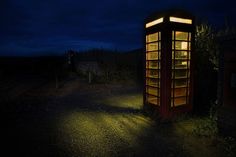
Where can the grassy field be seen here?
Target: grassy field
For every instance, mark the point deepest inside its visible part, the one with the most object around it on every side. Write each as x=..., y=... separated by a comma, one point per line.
x=81, y=119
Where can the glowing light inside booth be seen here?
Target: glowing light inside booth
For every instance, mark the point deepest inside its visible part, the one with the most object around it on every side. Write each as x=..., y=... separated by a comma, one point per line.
x=180, y=20
x=155, y=22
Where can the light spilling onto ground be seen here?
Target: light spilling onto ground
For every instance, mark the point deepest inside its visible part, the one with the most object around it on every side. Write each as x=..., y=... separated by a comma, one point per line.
x=107, y=131
x=116, y=127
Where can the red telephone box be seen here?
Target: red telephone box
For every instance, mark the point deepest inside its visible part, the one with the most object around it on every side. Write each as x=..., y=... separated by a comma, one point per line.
x=169, y=46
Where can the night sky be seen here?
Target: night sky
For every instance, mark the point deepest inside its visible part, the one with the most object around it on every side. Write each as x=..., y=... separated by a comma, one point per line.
x=49, y=27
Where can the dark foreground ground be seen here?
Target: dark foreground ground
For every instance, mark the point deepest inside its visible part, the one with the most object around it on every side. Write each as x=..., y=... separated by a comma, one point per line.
x=81, y=119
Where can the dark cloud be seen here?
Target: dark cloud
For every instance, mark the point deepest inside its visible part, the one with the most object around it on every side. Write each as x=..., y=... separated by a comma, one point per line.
x=57, y=25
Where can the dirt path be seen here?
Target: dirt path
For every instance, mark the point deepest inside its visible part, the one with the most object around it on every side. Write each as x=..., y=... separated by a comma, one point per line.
x=100, y=120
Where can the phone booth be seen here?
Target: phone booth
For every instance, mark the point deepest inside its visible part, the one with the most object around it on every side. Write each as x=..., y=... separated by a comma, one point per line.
x=168, y=74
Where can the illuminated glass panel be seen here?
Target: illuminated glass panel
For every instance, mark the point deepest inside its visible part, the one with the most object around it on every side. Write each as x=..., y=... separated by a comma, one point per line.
x=180, y=35
x=152, y=37
x=152, y=55
x=153, y=91
x=152, y=46
x=153, y=66
x=180, y=20
x=152, y=73
x=180, y=45
x=180, y=64
x=155, y=22
x=180, y=73
x=180, y=68
x=181, y=54
x=178, y=101
x=179, y=92
x=153, y=82
x=180, y=83
x=153, y=100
